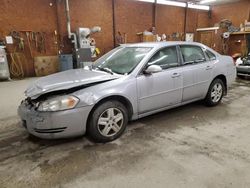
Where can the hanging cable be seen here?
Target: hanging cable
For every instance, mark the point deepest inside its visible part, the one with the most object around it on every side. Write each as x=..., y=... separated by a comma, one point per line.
x=16, y=68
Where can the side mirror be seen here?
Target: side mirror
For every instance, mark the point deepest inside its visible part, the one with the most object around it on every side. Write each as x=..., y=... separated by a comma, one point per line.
x=153, y=69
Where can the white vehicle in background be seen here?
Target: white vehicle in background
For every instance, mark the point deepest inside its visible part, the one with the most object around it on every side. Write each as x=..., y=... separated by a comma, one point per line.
x=243, y=66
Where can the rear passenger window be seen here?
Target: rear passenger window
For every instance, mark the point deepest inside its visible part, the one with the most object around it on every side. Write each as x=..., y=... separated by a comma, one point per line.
x=165, y=58
x=210, y=55
x=192, y=54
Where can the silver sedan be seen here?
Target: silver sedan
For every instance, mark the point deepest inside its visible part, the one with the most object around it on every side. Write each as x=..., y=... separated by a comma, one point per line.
x=129, y=82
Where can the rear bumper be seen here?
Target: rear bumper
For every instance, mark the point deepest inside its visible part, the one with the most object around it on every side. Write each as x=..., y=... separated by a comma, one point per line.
x=52, y=125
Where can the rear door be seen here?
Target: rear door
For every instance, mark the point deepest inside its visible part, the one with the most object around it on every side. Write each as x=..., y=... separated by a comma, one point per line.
x=197, y=72
x=164, y=88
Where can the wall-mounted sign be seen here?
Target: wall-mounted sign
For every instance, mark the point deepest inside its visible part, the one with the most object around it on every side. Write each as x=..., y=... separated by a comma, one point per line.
x=9, y=40
x=189, y=37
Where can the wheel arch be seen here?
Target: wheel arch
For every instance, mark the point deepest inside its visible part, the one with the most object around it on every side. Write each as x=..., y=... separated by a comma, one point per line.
x=223, y=78
x=125, y=101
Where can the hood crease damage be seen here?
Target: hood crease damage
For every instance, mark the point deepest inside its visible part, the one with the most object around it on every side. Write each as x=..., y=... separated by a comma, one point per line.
x=66, y=91
x=67, y=82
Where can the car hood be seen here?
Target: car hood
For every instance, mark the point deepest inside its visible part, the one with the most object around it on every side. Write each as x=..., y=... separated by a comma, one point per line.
x=67, y=80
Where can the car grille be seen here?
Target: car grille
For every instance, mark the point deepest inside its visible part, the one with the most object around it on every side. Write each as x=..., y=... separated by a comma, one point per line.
x=30, y=103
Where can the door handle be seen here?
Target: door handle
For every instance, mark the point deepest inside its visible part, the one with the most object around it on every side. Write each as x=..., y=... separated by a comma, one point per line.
x=174, y=75
x=209, y=67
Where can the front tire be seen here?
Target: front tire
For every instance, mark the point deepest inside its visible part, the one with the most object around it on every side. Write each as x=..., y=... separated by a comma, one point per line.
x=215, y=93
x=107, y=122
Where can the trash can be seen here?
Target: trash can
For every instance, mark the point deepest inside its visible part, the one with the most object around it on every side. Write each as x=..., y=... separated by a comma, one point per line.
x=4, y=67
x=65, y=62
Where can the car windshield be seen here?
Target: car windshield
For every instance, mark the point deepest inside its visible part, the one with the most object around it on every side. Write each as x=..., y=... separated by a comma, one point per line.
x=121, y=60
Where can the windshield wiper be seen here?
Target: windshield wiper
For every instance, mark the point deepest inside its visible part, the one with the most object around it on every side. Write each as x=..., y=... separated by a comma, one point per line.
x=105, y=70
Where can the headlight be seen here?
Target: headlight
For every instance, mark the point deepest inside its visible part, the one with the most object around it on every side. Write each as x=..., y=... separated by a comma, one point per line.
x=58, y=103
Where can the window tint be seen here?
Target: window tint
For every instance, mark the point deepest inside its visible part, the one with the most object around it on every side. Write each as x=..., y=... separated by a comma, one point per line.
x=192, y=54
x=210, y=55
x=165, y=58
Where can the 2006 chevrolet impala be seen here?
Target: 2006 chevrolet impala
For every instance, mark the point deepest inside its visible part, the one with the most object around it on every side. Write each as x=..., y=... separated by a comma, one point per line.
x=129, y=82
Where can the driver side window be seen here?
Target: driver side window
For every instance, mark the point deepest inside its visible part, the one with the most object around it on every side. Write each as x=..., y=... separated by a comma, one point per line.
x=165, y=58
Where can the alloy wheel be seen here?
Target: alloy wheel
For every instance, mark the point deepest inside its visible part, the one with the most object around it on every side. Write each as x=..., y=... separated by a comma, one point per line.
x=216, y=92
x=110, y=122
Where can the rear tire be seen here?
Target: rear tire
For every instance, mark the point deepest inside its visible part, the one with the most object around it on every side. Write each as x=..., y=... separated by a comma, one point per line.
x=107, y=122
x=215, y=92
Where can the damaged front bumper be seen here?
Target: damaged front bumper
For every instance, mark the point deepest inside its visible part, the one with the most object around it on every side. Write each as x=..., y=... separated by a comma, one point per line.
x=52, y=125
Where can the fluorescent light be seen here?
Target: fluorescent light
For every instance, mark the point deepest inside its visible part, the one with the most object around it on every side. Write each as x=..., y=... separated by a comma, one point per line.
x=172, y=3
x=148, y=1
x=206, y=1
x=201, y=7
x=179, y=4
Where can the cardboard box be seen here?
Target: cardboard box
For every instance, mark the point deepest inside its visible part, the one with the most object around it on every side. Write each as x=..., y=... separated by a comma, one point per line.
x=149, y=38
x=247, y=26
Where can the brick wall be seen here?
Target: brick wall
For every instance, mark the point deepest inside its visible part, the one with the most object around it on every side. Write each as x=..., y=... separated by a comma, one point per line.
x=29, y=15
x=133, y=17
x=236, y=12
x=130, y=17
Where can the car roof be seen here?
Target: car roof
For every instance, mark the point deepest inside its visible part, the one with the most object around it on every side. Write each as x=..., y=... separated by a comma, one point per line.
x=160, y=44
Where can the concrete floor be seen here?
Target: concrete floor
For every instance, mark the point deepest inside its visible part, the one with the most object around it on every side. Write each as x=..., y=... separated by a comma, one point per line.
x=190, y=146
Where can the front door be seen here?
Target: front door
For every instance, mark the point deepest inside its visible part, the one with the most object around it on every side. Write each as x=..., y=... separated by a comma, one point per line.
x=162, y=89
